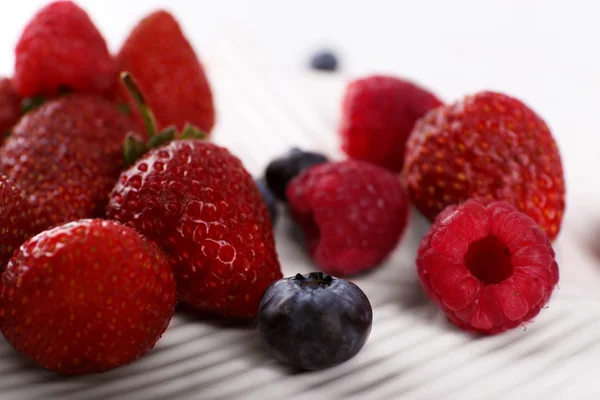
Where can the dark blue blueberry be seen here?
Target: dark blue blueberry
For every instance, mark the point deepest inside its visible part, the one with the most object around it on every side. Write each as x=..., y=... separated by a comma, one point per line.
x=269, y=200
x=314, y=321
x=324, y=61
x=283, y=169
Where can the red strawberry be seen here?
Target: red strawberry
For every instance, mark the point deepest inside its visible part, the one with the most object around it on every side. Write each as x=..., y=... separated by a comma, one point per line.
x=378, y=114
x=10, y=107
x=200, y=205
x=15, y=219
x=61, y=48
x=168, y=73
x=486, y=145
x=67, y=155
x=353, y=214
x=488, y=265
x=86, y=297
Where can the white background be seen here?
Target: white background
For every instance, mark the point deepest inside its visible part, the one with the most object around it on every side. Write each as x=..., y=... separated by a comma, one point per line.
x=544, y=52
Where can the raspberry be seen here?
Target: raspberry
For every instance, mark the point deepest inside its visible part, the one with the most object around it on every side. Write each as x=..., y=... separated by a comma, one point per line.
x=352, y=213
x=60, y=48
x=378, y=114
x=487, y=265
x=486, y=145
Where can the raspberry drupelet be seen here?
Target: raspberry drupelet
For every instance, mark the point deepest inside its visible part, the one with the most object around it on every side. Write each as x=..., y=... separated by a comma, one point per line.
x=487, y=265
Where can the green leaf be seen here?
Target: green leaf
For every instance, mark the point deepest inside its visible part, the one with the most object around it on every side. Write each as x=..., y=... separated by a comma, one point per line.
x=133, y=149
x=163, y=137
x=191, y=132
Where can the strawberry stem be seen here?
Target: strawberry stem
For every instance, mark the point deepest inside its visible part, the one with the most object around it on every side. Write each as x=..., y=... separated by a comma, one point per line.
x=134, y=147
x=140, y=102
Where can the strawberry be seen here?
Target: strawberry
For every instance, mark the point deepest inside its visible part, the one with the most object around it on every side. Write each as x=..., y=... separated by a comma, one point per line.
x=10, y=107
x=86, y=297
x=352, y=213
x=61, y=48
x=168, y=72
x=487, y=145
x=378, y=114
x=200, y=205
x=15, y=219
x=66, y=155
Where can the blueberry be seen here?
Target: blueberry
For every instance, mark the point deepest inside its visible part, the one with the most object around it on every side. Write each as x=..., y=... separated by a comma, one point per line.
x=324, y=61
x=269, y=199
x=314, y=321
x=283, y=169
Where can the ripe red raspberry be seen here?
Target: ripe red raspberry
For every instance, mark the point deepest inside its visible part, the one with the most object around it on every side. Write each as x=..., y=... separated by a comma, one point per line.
x=61, y=48
x=10, y=107
x=378, y=114
x=352, y=213
x=488, y=266
x=486, y=145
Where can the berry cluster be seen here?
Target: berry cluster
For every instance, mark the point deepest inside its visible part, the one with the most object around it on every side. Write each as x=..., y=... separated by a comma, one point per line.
x=488, y=173
x=486, y=170
x=114, y=205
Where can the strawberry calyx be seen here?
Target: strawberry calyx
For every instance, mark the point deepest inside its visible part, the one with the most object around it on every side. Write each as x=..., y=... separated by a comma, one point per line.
x=27, y=104
x=30, y=103
x=134, y=146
